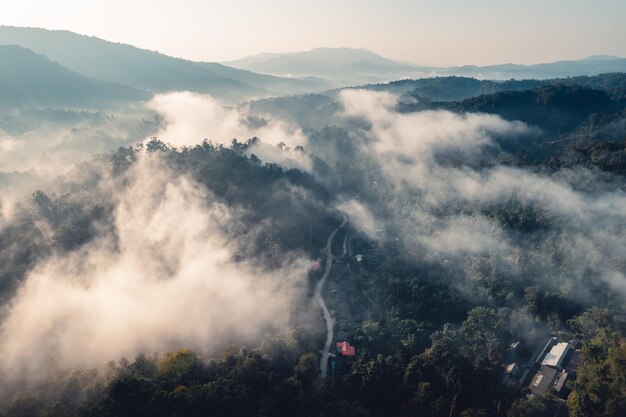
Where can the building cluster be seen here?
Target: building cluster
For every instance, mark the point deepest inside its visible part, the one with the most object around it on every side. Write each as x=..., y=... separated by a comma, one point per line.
x=551, y=366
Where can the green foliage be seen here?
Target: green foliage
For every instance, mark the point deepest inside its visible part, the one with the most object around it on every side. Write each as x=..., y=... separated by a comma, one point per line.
x=485, y=336
x=600, y=386
x=472, y=412
x=431, y=335
x=182, y=367
x=607, y=156
x=307, y=368
x=528, y=407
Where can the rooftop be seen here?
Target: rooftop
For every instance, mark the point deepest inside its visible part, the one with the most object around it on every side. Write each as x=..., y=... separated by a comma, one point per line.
x=542, y=381
x=510, y=367
x=556, y=355
x=346, y=349
x=541, y=351
x=561, y=381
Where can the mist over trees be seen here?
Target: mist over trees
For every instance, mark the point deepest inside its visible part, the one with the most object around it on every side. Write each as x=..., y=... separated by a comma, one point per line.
x=174, y=276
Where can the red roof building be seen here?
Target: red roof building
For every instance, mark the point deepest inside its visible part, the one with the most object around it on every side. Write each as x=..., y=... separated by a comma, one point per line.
x=346, y=349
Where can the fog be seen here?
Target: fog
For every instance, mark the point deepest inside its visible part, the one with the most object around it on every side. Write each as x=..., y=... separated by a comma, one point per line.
x=36, y=146
x=52, y=141
x=189, y=118
x=361, y=216
x=437, y=195
x=164, y=277
x=171, y=267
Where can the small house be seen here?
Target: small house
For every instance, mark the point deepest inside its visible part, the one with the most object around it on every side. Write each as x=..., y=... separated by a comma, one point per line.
x=345, y=349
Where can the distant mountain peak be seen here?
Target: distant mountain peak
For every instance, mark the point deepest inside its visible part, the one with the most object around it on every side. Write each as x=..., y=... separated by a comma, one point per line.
x=342, y=65
x=601, y=58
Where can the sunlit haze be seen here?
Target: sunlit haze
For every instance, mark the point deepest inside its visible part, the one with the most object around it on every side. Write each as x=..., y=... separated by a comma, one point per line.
x=446, y=32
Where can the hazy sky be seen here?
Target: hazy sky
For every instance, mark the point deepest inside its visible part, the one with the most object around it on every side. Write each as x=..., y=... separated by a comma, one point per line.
x=436, y=32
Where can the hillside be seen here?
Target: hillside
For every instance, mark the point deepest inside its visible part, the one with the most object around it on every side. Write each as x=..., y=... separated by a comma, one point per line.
x=454, y=88
x=148, y=70
x=29, y=79
x=556, y=108
x=451, y=88
x=511, y=99
x=458, y=242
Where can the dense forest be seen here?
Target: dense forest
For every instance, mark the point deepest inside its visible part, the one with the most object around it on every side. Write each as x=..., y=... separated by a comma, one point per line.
x=480, y=216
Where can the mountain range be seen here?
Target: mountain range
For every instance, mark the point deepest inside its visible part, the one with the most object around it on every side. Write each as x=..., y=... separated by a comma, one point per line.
x=148, y=70
x=61, y=68
x=593, y=65
x=345, y=66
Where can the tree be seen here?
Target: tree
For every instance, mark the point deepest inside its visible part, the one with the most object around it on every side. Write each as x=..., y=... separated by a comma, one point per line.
x=307, y=368
x=182, y=367
x=528, y=407
x=484, y=336
x=600, y=386
x=472, y=412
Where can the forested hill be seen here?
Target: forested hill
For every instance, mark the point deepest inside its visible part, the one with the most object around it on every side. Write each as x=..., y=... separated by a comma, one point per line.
x=424, y=344
x=565, y=112
x=456, y=88
x=31, y=80
x=556, y=107
x=452, y=88
x=179, y=280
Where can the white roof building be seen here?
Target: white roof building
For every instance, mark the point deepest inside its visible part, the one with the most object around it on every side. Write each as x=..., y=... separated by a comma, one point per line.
x=557, y=355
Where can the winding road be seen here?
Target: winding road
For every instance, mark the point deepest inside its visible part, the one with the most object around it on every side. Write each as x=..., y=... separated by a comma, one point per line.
x=318, y=296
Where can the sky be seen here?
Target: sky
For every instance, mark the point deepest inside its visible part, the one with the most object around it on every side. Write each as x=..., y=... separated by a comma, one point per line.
x=429, y=32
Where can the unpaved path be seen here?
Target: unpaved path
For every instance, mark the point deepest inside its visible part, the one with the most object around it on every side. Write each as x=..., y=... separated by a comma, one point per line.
x=318, y=296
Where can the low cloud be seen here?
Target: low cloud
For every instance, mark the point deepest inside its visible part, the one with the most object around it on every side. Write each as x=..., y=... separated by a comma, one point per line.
x=362, y=218
x=36, y=146
x=419, y=136
x=442, y=198
x=189, y=118
x=50, y=142
x=165, y=277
